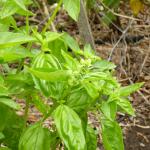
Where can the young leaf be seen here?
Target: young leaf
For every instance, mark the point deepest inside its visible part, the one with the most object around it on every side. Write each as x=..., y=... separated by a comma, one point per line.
x=9, y=39
x=70, y=61
x=69, y=127
x=56, y=47
x=126, y=106
x=70, y=42
x=111, y=135
x=51, y=36
x=73, y=8
x=35, y=138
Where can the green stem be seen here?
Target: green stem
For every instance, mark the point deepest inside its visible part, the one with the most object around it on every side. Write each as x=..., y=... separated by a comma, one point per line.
x=26, y=112
x=51, y=19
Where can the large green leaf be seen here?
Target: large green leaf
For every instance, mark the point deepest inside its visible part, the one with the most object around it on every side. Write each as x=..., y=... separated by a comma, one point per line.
x=111, y=135
x=54, y=90
x=69, y=127
x=9, y=39
x=73, y=8
x=35, y=138
x=51, y=75
x=79, y=99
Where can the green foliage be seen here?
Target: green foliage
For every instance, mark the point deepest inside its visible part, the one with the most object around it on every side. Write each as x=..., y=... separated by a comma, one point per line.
x=69, y=127
x=72, y=7
x=73, y=81
x=36, y=138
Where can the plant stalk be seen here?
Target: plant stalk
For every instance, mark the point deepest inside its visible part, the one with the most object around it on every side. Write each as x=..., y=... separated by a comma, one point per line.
x=51, y=19
x=26, y=112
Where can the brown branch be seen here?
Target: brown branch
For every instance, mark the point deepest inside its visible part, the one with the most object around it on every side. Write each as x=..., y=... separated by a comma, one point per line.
x=84, y=26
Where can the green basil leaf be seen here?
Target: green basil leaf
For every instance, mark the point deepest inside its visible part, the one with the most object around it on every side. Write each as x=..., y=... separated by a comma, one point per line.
x=10, y=103
x=127, y=90
x=79, y=100
x=52, y=76
x=54, y=90
x=91, y=138
x=35, y=138
x=109, y=109
x=91, y=89
x=14, y=6
x=103, y=65
x=111, y=135
x=14, y=53
x=22, y=6
x=51, y=36
x=72, y=7
x=69, y=127
x=70, y=42
x=56, y=46
x=71, y=63
x=126, y=106
x=9, y=39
